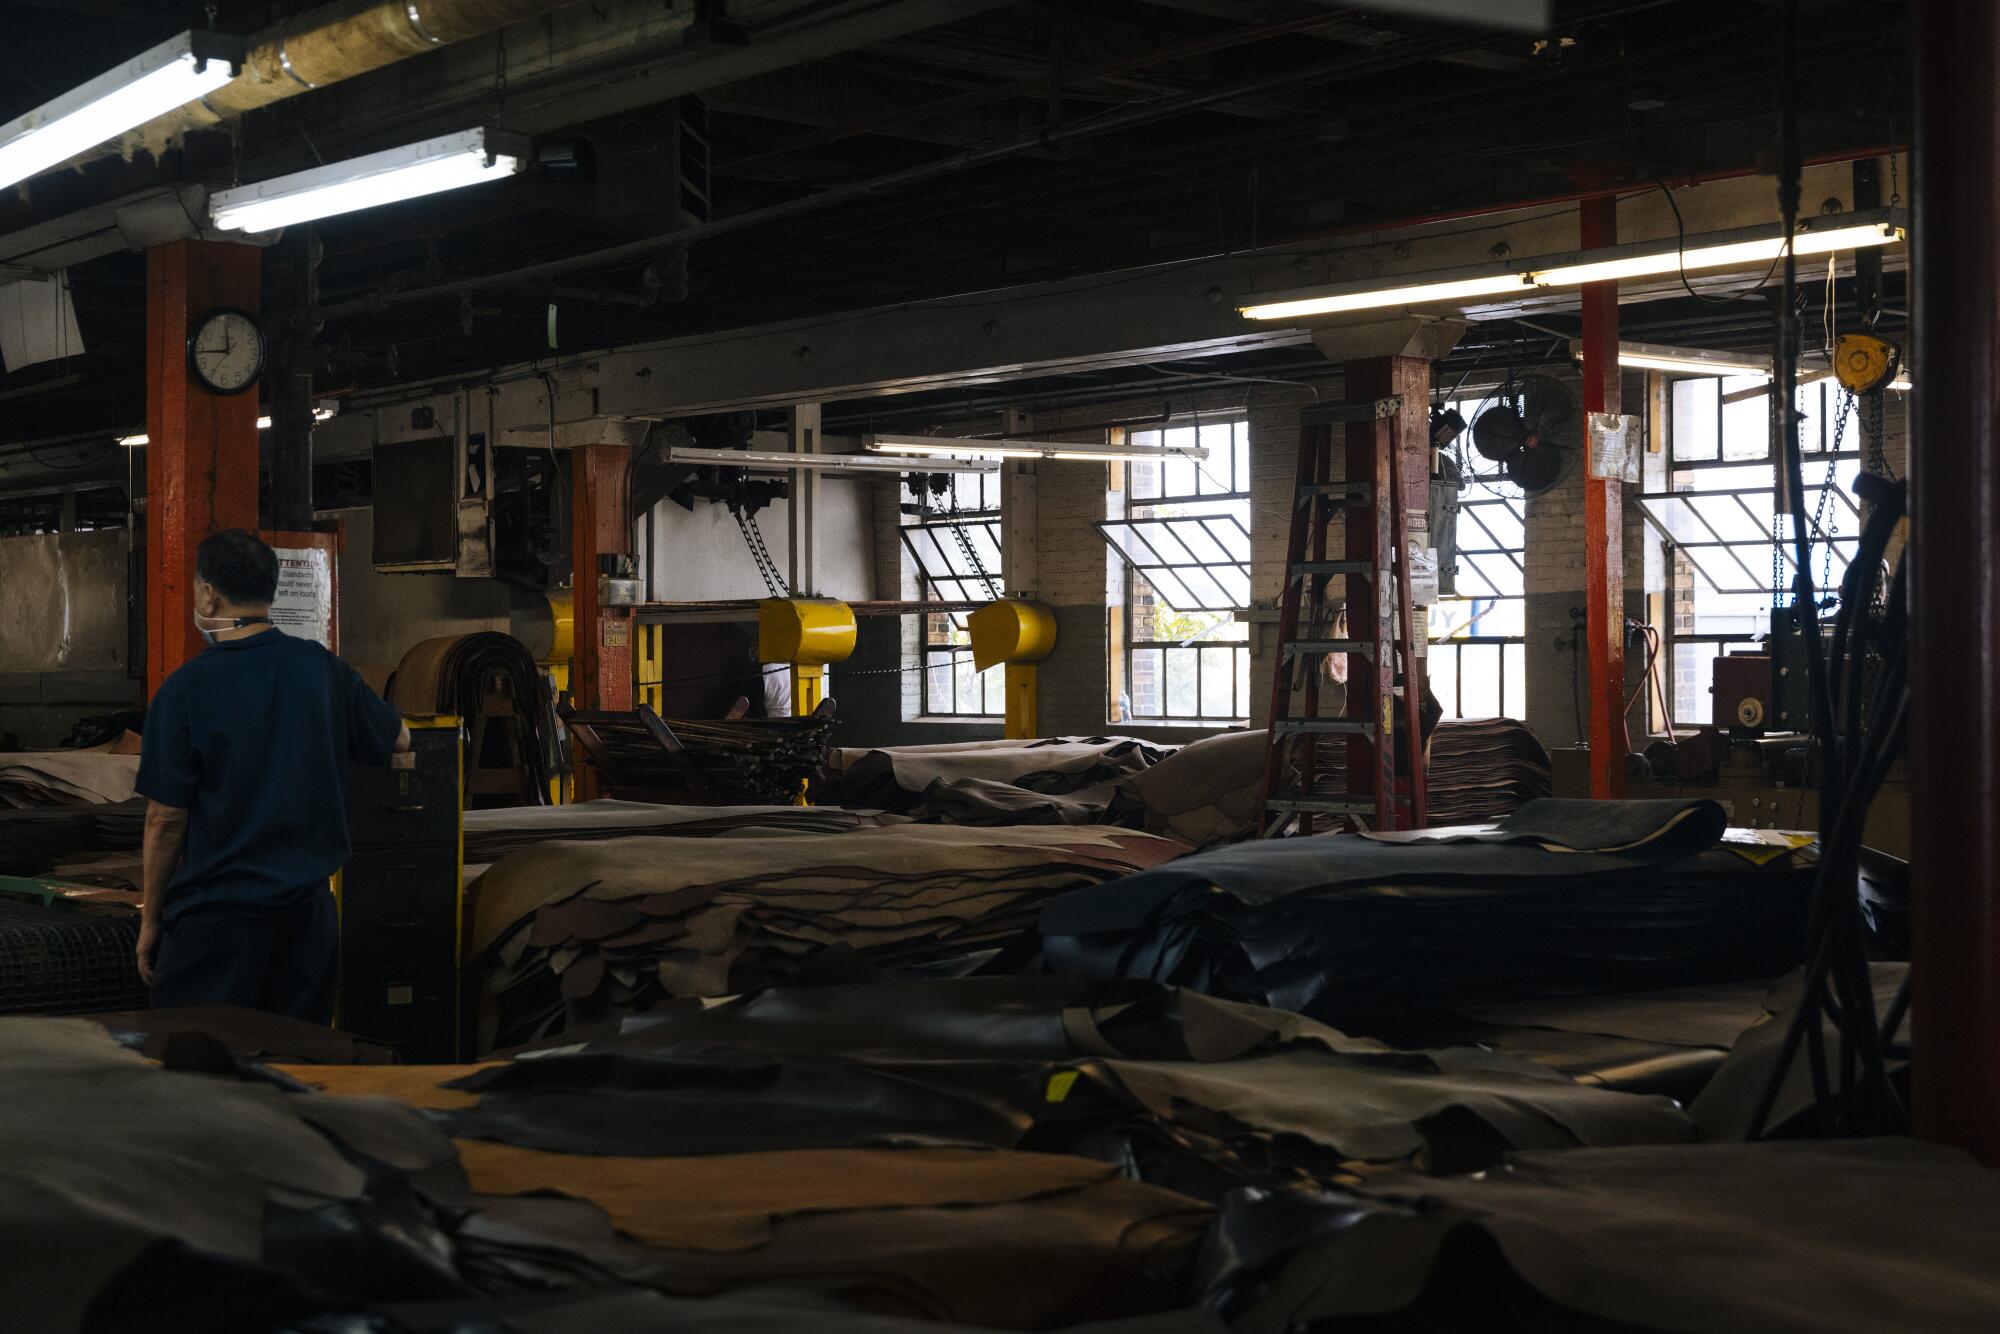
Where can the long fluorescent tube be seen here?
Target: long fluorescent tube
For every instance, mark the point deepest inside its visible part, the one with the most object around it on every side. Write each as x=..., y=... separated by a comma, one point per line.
x=1417, y=294
x=177, y=71
x=263, y=424
x=410, y=172
x=1642, y=259
x=766, y=460
x=1690, y=360
x=942, y=447
x=1729, y=254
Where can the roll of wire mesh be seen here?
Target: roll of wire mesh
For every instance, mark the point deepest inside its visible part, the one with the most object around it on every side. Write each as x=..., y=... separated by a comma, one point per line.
x=491, y=681
x=56, y=961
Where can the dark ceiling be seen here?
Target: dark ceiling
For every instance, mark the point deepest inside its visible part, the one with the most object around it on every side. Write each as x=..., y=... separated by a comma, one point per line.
x=1331, y=117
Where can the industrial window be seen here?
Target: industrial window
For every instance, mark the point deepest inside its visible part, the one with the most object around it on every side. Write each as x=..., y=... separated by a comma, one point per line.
x=1718, y=523
x=951, y=535
x=1478, y=653
x=1184, y=540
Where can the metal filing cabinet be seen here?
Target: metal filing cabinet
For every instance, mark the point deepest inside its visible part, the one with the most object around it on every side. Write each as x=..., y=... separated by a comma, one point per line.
x=401, y=902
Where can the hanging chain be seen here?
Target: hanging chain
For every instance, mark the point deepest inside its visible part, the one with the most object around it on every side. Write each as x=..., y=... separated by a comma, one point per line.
x=949, y=513
x=1877, y=460
x=767, y=565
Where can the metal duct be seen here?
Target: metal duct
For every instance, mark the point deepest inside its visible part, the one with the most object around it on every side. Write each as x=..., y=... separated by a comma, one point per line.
x=335, y=42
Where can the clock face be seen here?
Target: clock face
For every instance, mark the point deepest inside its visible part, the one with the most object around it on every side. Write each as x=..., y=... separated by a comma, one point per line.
x=226, y=352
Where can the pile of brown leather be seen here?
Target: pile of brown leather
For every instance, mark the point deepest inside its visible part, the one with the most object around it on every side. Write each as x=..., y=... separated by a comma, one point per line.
x=569, y=930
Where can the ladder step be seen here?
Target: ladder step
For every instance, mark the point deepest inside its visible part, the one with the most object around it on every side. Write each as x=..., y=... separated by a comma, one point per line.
x=1308, y=648
x=1364, y=568
x=1363, y=492
x=1323, y=727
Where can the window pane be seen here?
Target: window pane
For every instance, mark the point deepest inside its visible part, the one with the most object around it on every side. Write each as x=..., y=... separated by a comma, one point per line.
x=1230, y=534
x=1444, y=677
x=1241, y=435
x=1145, y=478
x=1200, y=540
x=1181, y=701
x=968, y=685
x=937, y=683
x=1515, y=705
x=1180, y=476
x=1243, y=683
x=1746, y=423
x=1168, y=589
x=1204, y=592
x=1234, y=583
x=1218, y=473
x=1166, y=543
x=1479, y=681
x=1734, y=519
x=1694, y=408
x=1145, y=684
x=1218, y=683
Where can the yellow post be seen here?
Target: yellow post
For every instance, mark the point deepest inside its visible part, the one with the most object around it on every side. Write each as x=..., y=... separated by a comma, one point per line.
x=808, y=633
x=1020, y=634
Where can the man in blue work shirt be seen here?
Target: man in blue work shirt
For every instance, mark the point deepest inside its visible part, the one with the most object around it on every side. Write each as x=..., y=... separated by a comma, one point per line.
x=244, y=769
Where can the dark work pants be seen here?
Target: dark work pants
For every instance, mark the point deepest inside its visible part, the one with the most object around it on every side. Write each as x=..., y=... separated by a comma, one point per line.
x=282, y=962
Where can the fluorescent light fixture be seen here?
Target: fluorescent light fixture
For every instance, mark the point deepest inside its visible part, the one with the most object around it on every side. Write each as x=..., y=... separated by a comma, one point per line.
x=263, y=424
x=941, y=447
x=766, y=460
x=1688, y=360
x=1418, y=294
x=177, y=71
x=1640, y=259
x=395, y=174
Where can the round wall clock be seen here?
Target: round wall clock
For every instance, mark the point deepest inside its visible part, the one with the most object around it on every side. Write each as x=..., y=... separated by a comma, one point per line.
x=226, y=350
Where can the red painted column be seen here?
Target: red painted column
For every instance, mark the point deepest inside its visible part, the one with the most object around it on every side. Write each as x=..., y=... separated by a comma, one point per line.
x=1955, y=582
x=600, y=674
x=1603, y=524
x=201, y=458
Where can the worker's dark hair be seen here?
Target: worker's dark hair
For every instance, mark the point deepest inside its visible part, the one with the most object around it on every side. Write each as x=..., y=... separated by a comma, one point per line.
x=240, y=566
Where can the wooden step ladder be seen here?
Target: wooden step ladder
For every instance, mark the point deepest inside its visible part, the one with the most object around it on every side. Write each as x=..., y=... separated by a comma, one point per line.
x=1372, y=791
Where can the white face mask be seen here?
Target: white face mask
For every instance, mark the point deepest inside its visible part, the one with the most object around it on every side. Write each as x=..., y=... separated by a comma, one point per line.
x=222, y=623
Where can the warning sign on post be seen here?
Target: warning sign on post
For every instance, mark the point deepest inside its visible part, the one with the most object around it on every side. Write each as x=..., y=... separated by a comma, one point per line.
x=304, y=604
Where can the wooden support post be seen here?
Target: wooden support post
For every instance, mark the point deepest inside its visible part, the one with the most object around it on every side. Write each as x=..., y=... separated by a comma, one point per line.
x=601, y=668
x=1603, y=523
x=1371, y=604
x=201, y=456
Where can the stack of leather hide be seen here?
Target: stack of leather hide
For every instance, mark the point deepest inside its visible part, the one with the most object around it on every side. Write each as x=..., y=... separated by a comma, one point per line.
x=66, y=778
x=35, y=838
x=492, y=834
x=901, y=778
x=1829, y=1237
x=631, y=921
x=1562, y=898
x=1484, y=769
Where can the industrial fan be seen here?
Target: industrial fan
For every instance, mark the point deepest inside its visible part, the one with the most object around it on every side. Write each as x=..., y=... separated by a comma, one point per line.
x=1532, y=429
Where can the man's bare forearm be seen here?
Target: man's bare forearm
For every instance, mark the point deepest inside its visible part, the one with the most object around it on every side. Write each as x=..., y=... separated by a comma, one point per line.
x=166, y=833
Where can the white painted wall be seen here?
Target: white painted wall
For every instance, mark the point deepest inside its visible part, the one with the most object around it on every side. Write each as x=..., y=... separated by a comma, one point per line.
x=700, y=555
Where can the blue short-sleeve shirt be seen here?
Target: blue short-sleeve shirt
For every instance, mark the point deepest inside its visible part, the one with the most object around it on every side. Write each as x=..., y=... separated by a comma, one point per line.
x=252, y=738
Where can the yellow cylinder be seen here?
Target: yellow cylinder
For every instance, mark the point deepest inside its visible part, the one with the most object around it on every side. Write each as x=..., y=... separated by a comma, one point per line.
x=1011, y=630
x=804, y=631
x=563, y=613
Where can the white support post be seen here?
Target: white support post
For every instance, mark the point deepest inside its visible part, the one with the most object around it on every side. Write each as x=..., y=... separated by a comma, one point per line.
x=802, y=512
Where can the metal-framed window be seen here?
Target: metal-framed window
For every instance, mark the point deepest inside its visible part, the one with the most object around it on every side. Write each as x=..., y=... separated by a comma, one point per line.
x=953, y=544
x=1478, y=652
x=1721, y=515
x=1184, y=539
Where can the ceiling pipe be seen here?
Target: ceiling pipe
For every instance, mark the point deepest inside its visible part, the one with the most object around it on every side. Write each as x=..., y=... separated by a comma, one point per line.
x=333, y=43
